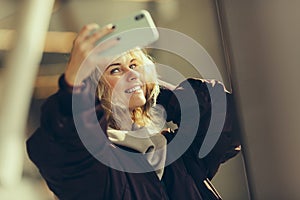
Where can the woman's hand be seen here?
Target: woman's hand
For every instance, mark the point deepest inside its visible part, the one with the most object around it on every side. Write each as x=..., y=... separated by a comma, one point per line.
x=83, y=59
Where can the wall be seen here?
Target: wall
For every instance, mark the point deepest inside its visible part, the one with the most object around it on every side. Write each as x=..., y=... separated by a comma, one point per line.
x=264, y=41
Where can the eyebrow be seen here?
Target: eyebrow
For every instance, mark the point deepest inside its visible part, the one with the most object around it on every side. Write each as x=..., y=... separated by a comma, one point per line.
x=117, y=64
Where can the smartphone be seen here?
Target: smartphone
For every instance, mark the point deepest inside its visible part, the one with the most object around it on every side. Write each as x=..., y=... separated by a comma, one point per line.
x=136, y=30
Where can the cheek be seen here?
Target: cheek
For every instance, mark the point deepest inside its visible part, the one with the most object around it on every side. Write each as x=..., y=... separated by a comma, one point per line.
x=141, y=73
x=111, y=81
x=116, y=85
x=148, y=74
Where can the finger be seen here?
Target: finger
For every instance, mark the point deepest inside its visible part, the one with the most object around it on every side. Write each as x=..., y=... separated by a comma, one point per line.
x=86, y=40
x=166, y=84
x=238, y=148
x=85, y=32
x=101, y=33
x=95, y=52
x=106, y=45
x=96, y=56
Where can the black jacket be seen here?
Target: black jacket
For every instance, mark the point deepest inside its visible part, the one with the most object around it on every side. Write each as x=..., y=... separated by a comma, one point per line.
x=71, y=172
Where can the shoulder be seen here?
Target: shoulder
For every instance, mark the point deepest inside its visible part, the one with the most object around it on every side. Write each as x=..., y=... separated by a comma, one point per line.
x=204, y=89
x=190, y=93
x=202, y=84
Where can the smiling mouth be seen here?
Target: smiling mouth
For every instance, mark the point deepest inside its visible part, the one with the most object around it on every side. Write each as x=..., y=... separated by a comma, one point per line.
x=131, y=90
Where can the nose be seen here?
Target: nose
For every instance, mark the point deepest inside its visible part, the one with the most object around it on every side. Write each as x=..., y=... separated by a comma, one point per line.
x=132, y=75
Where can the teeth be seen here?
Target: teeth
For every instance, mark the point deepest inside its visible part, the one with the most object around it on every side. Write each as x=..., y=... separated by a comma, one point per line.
x=131, y=90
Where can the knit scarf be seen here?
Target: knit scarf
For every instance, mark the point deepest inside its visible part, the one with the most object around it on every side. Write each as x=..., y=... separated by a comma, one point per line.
x=145, y=141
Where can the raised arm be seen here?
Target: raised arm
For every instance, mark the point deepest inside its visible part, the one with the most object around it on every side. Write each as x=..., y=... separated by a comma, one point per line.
x=227, y=143
x=55, y=147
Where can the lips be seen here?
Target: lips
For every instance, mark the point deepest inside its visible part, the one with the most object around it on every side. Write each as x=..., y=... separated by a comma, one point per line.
x=133, y=89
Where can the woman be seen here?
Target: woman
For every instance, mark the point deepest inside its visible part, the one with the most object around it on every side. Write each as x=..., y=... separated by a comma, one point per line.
x=126, y=152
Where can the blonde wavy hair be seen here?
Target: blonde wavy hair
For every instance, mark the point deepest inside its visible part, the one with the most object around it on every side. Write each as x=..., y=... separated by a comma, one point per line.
x=142, y=116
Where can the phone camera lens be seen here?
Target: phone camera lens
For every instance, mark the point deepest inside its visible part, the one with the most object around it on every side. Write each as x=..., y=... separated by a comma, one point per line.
x=138, y=17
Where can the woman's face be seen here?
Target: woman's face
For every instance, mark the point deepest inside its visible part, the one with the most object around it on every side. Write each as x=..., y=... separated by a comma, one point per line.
x=125, y=78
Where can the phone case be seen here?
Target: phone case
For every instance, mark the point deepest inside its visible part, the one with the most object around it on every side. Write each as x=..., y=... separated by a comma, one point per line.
x=136, y=30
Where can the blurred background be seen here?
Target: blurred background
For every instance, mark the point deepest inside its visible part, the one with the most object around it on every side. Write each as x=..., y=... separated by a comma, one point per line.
x=254, y=44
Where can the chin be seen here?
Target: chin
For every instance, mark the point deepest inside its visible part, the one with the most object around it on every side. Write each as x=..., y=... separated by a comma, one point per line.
x=134, y=103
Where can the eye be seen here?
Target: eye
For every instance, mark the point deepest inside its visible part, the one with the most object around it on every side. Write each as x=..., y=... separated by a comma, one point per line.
x=132, y=66
x=115, y=70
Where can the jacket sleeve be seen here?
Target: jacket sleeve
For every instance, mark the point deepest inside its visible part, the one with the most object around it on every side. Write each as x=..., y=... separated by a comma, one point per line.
x=207, y=93
x=56, y=149
x=60, y=110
